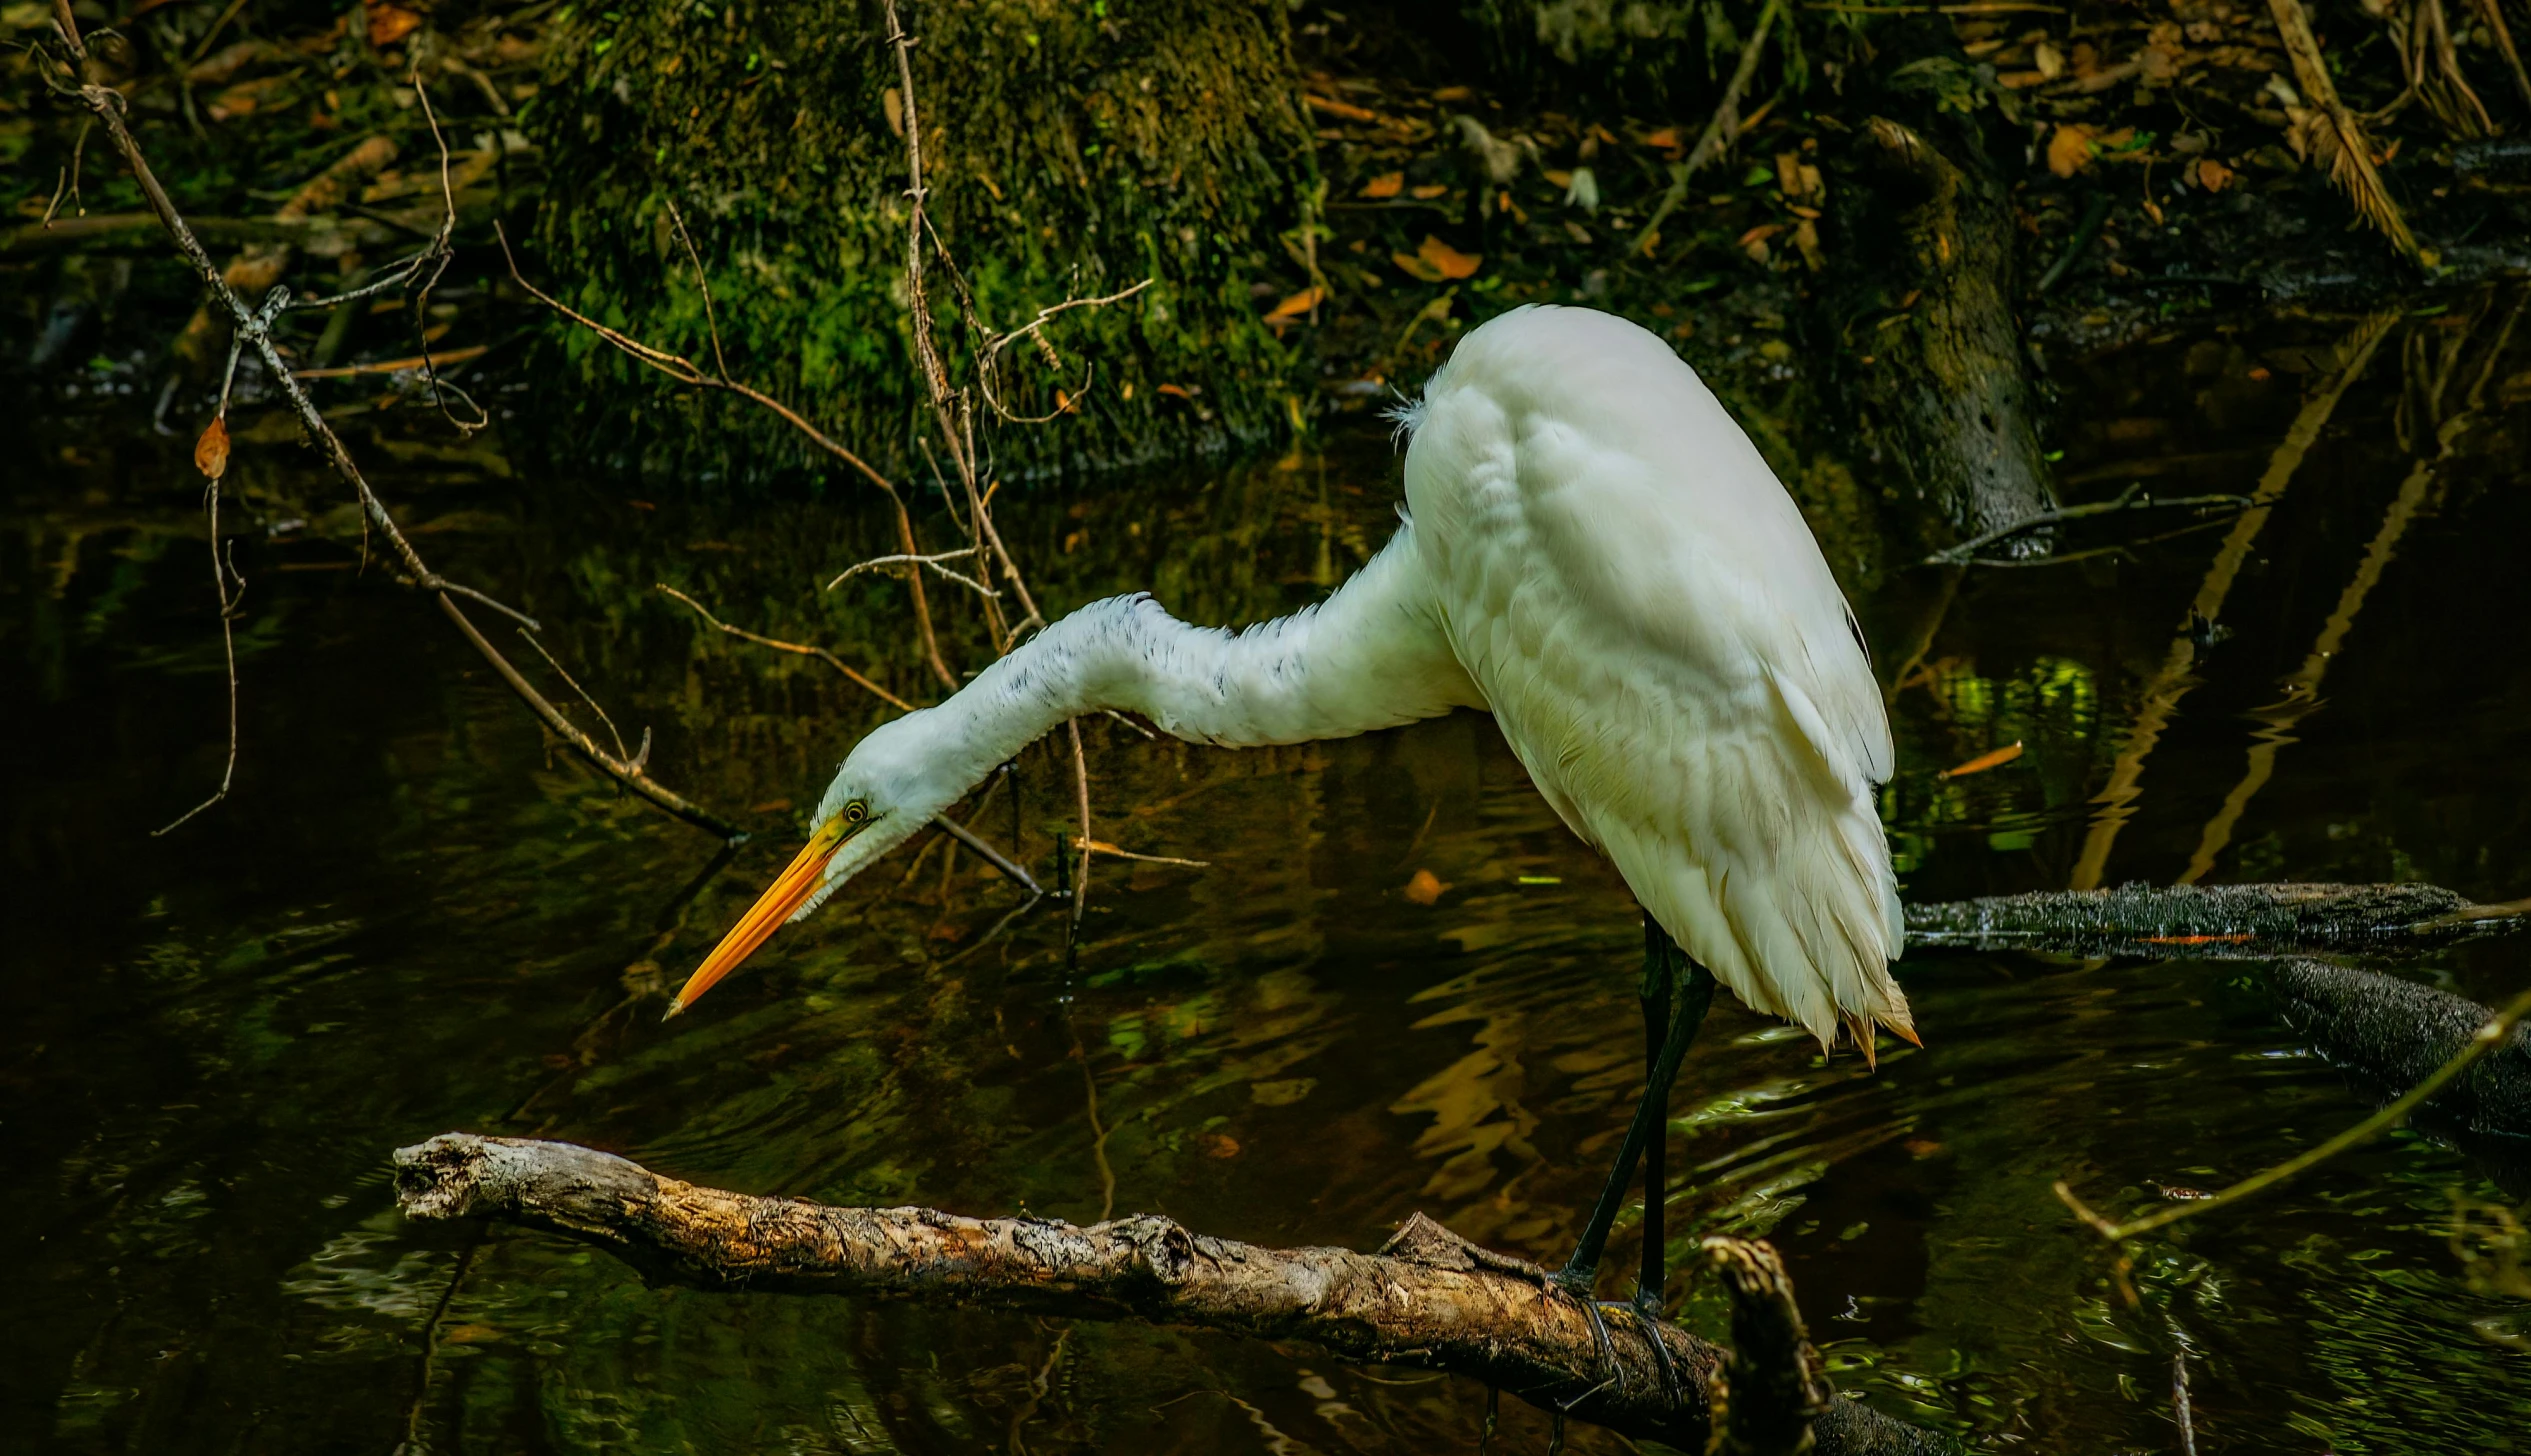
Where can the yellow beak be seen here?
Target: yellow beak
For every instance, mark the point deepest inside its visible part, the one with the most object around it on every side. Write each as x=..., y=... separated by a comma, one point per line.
x=777, y=904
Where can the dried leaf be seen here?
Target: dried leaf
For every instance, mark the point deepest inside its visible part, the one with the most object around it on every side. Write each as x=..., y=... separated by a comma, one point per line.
x=1428, y=192
x=1667, y=139
x=1425, y=888
x=1416, y=266
x=388, y=23
x=1297, y=305
x=1984, y=761
x=2070, y=150
x=210, y=453
x=1448, y=261
x=2212, y=175
x=1387, y=184
x=1806, y=239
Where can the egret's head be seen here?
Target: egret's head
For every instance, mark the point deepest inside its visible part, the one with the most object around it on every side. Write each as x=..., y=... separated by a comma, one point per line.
x=894, y=782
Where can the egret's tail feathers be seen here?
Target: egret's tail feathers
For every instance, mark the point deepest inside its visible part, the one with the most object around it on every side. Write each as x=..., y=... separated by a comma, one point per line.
x=1793, y=918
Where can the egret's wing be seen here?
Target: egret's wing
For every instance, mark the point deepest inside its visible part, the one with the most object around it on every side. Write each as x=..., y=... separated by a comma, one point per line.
x=1665, y=648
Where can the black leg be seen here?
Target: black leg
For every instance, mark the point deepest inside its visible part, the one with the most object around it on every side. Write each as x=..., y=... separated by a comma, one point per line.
x=1657, y=957
x=1651, y=1113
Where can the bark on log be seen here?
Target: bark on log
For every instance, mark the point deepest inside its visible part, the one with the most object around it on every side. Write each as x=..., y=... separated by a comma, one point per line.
x=1771, y=1387
x=1429, y=1298
x=2231, y=922
x=2395, y=1033
x=1947, y=399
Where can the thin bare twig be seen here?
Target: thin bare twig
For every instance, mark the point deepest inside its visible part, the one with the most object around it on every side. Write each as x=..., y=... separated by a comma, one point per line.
x=70, y=178
x=1090, y=846
x=801, y=649
x=1719, y=133
x=933, y=561
x=1081, y=799
x=439, y=254
x=565, y=674
x=221, y=571
x=2132, y=498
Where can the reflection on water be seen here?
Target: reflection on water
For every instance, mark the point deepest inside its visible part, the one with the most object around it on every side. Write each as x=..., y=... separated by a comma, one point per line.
x=412, y=917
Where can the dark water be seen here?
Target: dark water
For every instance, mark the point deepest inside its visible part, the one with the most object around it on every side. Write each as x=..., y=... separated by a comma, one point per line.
x=411, y=917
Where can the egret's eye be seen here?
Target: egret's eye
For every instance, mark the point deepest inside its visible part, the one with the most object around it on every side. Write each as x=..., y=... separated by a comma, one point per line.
x=856, y=811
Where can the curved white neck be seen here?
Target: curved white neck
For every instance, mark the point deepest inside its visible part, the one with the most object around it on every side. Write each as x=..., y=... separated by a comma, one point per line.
x=1374, y=655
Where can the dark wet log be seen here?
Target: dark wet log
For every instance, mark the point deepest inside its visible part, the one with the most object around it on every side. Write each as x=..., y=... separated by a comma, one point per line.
x=1947, y=397
x=2395, y=1033
x=1429, y=1299
x=1771, y=1387
x=2234, y=922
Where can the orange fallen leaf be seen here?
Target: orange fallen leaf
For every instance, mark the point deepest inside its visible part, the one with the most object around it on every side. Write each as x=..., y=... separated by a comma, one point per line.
x=210, y=453
x=1181, y=391
x=2070, y=150
x=1387, y=184
x=2199, y=939
x=1559, y=178
x=1219, y=1145
x=389, y=23
x=1297, y=305
x=1416, y=266
x=1454, y=93
x=1451, y=262
x=1667, y=138
x=1428, y=192
x=1984, y=761
x=2212, y=175
x=1437, y=260
x=1344, y=109
x=1425, y=889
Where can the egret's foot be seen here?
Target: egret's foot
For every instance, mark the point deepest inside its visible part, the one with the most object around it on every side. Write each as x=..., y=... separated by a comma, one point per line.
x=1647, y=1308
x=1576, y=1285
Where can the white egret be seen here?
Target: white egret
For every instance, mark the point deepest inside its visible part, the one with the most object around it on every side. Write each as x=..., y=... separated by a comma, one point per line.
x=1594, y=552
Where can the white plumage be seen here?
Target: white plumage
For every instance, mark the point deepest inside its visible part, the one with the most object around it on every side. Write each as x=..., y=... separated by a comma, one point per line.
x=1594, y=552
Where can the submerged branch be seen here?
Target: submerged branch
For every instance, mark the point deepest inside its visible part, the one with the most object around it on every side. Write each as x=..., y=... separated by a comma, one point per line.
x=2235, y=922
x=2498, y=1032
x=1428, y=1299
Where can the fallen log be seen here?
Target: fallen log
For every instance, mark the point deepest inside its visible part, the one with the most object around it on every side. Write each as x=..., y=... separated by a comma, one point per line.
x=1429, y=1298
x=2395, y=1033
x=2225, y=922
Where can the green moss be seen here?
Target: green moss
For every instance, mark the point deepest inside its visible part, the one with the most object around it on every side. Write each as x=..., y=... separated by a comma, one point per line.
x=1071, y=149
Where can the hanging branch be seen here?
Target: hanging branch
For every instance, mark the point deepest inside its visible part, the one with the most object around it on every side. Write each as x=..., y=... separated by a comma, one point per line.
x=210, y=456
x=253, y=328
x=1429, y=1298
x=686, y=371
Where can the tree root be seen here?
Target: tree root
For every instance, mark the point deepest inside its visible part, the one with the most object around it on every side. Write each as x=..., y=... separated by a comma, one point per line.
x=1429, y=1298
